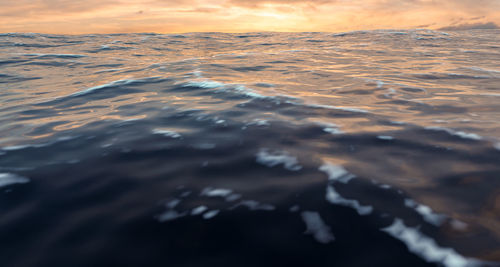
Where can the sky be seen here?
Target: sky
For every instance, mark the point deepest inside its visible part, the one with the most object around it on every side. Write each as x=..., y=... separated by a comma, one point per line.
x=177, y=16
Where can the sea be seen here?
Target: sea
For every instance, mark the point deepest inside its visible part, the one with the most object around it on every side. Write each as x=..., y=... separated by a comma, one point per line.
x=364, y=148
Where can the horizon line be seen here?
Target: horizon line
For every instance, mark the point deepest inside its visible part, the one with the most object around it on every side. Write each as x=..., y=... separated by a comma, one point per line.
x=247, y=32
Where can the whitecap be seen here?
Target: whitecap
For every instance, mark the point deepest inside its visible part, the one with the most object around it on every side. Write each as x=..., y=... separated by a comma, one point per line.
x=461, y=134
x=385, y=137
x=210, y=214
x=497, y=145
x=336, y=173
x=113, y=84
x=166, y=133
x=458, y=225
x=259, y=122
x=12, y=148
x=170, y=215
x=222, y=87
x=7, y=179
x=173, y=203
x=426, y=212
x=20, y=147
x=332, y=130
x=272, y=159
x=107, y=85
x=426, y=247
x=350, y=109
x=484, y=70
x=198, y=210
x=216, y=192
x=316, y=227
x=329, y=127
x=203, y=84
x=245, y=91
x=233, y=197
x=335, y=198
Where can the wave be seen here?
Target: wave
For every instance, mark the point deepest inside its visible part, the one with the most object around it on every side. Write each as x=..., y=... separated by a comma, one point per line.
x=279, y=148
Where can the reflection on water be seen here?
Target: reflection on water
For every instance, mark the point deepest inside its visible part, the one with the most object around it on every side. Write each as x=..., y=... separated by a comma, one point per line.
x=291, y=148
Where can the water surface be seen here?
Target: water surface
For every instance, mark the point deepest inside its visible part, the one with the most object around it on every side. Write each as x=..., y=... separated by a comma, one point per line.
x=376, y=148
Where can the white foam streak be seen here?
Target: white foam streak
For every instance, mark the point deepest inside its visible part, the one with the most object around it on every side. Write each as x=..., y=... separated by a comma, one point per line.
x=426, y=247
x=316, y=227
x=497, y=146
x=204, y=84
x=456, y=133
x=166, y=133
x=19, y=147
x=335, y=198
x=356, y=110
x=332, y=130
x=217, y=192
x=7, y=179
x=170, y=215
x=426, y=212
x=112, y=84
x=272, y=159
x=336, y=173
x=95, y=88
x=12, y=148
x=385, y=137
x=221, y=87
x=198, y=210
x=210, y=214
x=490, y=71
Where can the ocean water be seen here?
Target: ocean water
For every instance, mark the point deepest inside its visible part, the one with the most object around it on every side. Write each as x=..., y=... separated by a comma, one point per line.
x=368, y=148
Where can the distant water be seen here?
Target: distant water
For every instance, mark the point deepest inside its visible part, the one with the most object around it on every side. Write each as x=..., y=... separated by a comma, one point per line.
x=369, y=148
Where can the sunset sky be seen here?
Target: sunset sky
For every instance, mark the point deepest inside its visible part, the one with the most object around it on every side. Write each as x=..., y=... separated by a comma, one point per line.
x=165, y=16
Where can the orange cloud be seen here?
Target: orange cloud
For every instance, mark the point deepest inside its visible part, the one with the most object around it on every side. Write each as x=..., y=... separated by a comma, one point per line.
x=106, y=16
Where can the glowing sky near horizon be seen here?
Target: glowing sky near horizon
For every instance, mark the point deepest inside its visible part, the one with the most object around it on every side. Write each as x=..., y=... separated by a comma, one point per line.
x=166, y=16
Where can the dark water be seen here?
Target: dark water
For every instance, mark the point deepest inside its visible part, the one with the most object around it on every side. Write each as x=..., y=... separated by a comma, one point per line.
x=373, y=148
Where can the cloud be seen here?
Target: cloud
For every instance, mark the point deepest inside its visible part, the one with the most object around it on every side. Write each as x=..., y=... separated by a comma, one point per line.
x=201, y=10
x=104, y=16
x=259, y=3
x=32, y=8
x=471, y=26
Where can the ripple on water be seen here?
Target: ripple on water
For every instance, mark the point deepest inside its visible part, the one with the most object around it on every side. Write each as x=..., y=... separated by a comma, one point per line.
x=7, y=179
x=307, y=133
